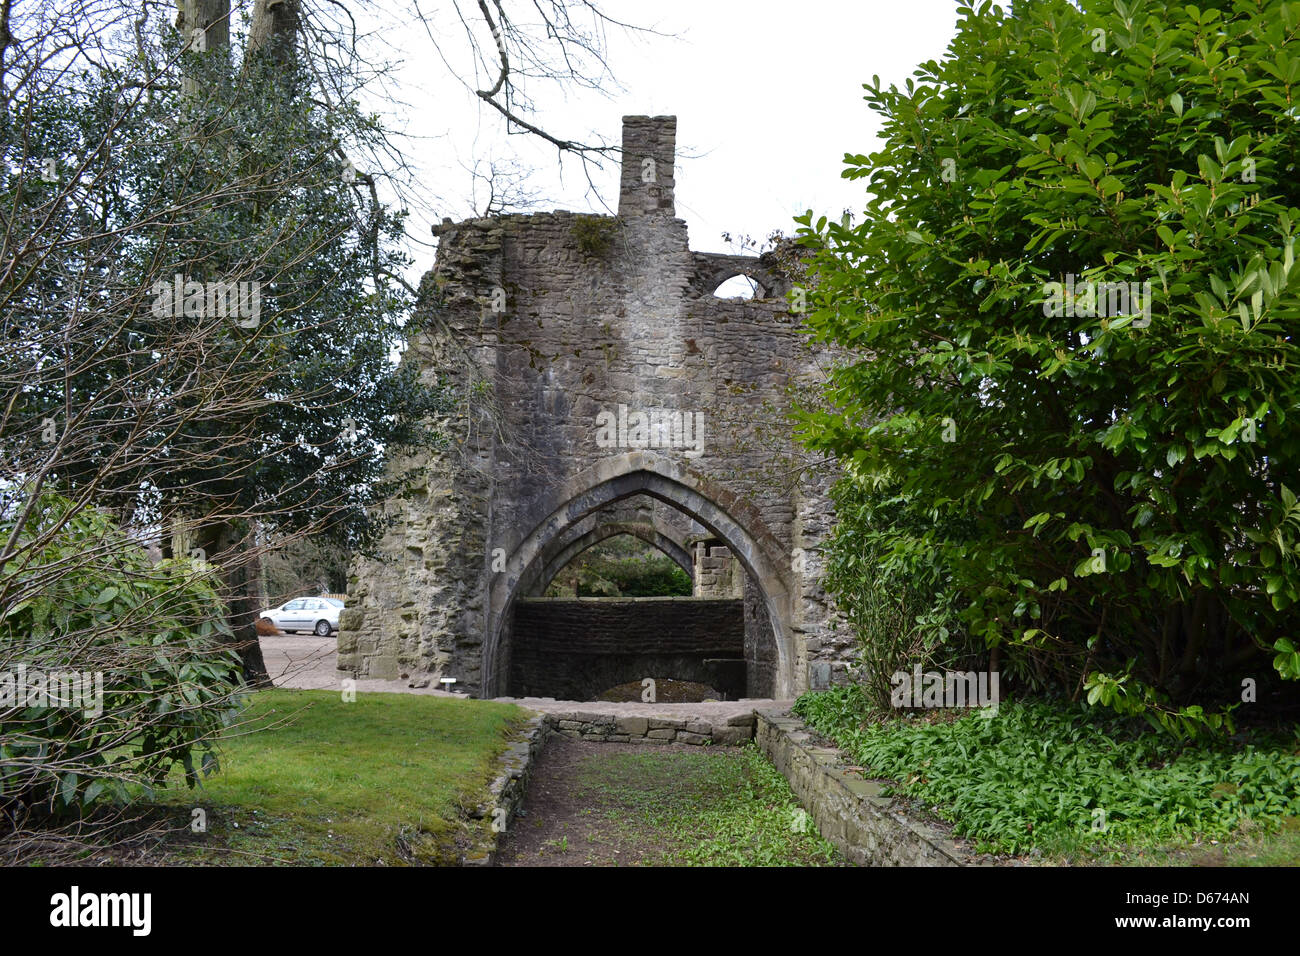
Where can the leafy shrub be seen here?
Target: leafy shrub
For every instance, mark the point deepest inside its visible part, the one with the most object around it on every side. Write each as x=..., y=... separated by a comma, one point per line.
x=79, y=596
x=1107, y=490
x=899, y=615
x=1037, y=774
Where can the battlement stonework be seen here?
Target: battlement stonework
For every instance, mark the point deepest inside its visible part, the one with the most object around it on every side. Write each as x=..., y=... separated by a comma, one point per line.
x=604, y=389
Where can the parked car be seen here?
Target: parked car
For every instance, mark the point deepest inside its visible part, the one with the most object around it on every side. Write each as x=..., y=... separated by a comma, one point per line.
x=319, y=615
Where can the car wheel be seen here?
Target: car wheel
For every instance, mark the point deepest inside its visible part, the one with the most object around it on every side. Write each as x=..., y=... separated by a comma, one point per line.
x=322, y=628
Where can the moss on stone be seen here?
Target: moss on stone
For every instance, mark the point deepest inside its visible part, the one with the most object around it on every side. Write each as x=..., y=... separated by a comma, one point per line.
x=593, y=234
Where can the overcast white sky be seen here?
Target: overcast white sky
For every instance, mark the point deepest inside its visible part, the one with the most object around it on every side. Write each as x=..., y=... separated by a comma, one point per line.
x=768, y=98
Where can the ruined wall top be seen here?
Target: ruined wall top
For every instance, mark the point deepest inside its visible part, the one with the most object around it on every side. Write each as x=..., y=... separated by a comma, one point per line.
x=649, y=152
x=574, y=323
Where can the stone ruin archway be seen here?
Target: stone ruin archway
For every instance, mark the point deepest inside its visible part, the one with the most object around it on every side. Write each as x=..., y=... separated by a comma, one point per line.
x=615, y=479
x=596, y=366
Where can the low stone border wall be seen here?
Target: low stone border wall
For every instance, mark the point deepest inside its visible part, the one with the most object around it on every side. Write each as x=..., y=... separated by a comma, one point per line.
x=847, y=810
x=507, y=790
x=738, y=729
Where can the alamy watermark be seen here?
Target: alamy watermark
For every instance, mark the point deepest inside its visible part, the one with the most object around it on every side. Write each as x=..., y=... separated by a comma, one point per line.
x=651, y=428
x=1098, y=300
x=75, y=908
x=75, y=690
x=215, y=300
x=930, y=689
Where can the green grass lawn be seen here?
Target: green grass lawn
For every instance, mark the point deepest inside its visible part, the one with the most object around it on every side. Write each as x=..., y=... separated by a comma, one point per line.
x=309, y=779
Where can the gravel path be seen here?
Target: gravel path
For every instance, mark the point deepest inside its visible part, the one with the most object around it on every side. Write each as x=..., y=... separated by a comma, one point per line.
x=308, y=662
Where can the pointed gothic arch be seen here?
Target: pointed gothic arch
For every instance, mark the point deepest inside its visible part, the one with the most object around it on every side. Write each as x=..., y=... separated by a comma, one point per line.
x=732, y=521
x=592, y=531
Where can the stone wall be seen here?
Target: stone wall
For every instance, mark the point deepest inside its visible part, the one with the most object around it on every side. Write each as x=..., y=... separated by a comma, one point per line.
x=730, y=731
x=507, y=791
x=760, y=650
x=717, y=573
x=541, y=323
x=575, y=649
x=500, y=811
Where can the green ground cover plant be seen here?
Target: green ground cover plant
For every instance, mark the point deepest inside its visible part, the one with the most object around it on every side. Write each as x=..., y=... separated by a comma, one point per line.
x=1062, y=778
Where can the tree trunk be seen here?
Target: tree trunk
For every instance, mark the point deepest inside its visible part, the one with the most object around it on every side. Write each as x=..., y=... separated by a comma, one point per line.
x=6, y=38
x=222, y=543
x=228, y=548
x=210, y=16
x=275, y=27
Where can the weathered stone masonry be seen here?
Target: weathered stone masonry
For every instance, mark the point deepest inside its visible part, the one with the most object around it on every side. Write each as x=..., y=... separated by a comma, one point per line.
x=544, y=322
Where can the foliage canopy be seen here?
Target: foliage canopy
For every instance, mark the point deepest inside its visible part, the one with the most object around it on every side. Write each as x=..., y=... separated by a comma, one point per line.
x=1104, y=486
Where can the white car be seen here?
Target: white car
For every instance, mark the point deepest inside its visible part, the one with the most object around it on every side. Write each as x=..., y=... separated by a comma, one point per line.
x=319, y=615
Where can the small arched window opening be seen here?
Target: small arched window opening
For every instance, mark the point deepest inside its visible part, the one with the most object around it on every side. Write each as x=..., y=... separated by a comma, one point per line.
x=737, y=287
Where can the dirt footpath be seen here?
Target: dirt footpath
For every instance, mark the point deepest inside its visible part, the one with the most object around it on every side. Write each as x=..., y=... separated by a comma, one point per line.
x=593, y=803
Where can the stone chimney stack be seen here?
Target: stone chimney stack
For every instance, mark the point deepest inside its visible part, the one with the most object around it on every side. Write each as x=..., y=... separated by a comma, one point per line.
x=649, y=150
